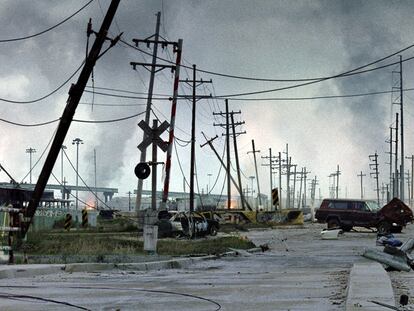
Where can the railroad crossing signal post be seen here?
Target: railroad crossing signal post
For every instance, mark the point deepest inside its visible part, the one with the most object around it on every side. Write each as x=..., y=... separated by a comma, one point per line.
x=152, y=136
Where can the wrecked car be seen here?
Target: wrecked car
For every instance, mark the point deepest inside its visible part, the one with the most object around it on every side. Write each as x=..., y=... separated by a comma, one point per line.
x=346, y=214
x=189, y=224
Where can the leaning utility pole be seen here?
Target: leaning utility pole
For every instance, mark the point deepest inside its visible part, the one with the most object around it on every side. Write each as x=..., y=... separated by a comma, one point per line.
x=374, y=166
x=362, y=188
x=153, y=67
x=209, y=142
x=143, y=155
x=178, y=47
x=254, y=151
x=75, y=94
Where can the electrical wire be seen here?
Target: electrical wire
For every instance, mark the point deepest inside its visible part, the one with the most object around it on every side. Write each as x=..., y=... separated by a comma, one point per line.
x=109, y=121
x=128, y=97
x=30, y=297
x=83, y=181
x=45, y=96
x=70, y=193
x=216, y=97
x=153, y=291
x=29, y=125
x=48, y=29
x=41, y=156
x=179, y=164
x=124, y=91
x=351, y=72
x=74, y=120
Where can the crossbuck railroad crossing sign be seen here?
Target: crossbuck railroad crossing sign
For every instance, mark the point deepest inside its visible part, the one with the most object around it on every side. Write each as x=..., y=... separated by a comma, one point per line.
x=152, y=136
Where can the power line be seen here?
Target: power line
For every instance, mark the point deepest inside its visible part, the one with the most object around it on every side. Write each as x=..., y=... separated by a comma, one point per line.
x=41, y=155
x=109, y=121
x=74, y=120
x=48, y=29
x=251, y=99
x=350, y=72
x=45, y=96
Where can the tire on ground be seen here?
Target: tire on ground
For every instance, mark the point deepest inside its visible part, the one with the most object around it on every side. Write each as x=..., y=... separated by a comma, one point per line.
x=333, y=223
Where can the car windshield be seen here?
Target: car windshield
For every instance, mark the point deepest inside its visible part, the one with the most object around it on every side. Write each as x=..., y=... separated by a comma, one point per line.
x=373, y=205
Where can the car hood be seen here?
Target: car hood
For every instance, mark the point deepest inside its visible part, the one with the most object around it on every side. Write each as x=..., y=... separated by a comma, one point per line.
x=396, y=211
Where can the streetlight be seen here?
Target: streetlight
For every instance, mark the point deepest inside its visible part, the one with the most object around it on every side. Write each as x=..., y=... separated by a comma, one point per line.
x=76, y=142
x=30, y=151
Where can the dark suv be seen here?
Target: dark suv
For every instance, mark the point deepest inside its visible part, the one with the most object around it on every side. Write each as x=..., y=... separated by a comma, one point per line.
x=345, y=214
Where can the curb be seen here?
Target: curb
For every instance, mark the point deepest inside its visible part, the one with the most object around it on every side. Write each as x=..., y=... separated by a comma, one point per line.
x=29, y=270
x=368, y=281
x=41, y=269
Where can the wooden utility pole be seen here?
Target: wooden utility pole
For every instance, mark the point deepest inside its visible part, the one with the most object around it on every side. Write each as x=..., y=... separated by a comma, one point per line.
x=280, y=181
x=300, y=187
x=254, y=151
x=287, y=177
x=374, y=166
x=233, y=124
x=412, y=177
x=153, y=67
x=194, y=83
x=178, y=47
x=271, y=159
x=294, y=185
x=143, y=155
x=390, y=141
x=396, y=183
x=75, y=94
x=362, y=189
x=210, y=143
x=227, y=127
x=402, y=172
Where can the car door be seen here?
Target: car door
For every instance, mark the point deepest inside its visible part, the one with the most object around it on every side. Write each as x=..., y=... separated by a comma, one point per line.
x=362, y=215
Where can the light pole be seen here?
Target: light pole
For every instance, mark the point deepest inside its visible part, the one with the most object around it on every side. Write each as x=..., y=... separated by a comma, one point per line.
x=30, y=151
x=76, y=142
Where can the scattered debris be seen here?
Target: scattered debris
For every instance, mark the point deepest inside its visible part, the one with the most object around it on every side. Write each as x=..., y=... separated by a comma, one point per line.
x=331, y=233
x=387, y=239
x=396, y=258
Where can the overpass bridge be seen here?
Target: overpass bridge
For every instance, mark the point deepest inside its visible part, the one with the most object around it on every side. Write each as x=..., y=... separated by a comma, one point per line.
x=67, y=189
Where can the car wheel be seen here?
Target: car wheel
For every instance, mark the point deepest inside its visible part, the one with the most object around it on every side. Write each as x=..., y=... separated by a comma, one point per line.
x=384, y=227
x=333, y=223
x=213, y=230
x=346, y=228
x=396, y=229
